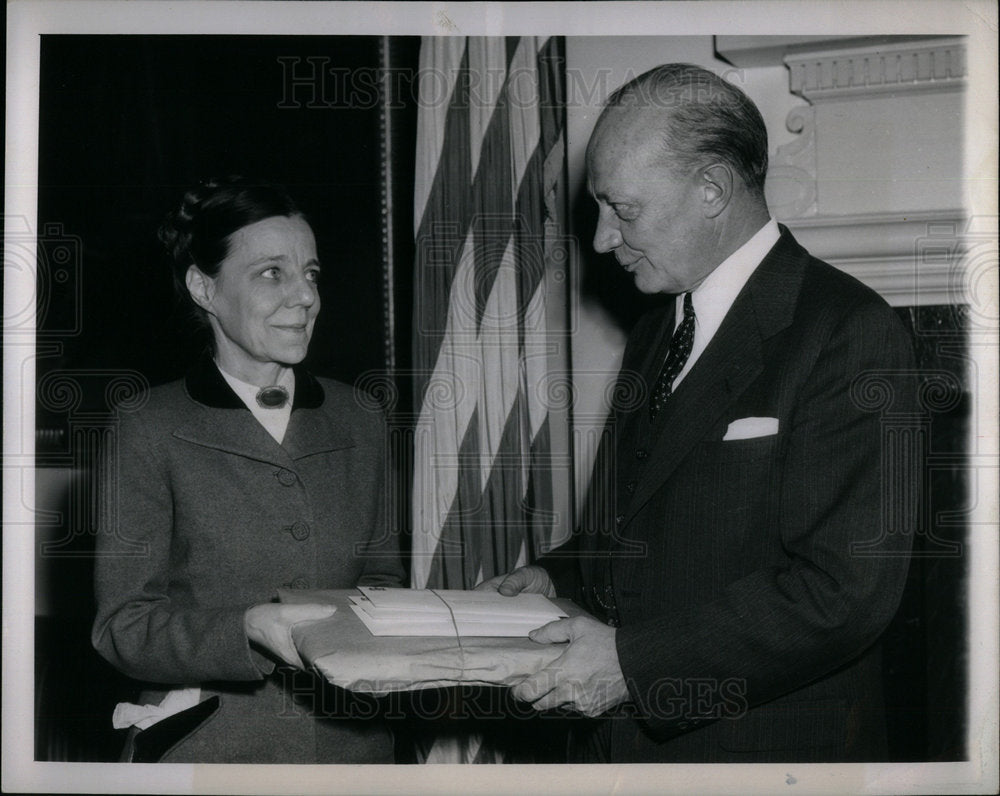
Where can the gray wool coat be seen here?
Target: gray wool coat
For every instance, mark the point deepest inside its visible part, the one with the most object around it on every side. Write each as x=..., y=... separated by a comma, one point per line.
x=204, y=515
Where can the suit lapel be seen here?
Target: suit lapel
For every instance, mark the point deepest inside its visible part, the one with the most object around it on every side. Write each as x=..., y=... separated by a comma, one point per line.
x=732, y=361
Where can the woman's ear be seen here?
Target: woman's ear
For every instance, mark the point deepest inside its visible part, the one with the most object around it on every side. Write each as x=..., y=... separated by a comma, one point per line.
x=717, y=188
x=200, y=286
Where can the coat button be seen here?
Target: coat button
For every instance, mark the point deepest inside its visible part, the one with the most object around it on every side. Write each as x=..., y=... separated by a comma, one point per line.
x=630, y=487
x=641, y=453
x=299, y=531
x=286, y=477
x=300, y=583
x=620, y=519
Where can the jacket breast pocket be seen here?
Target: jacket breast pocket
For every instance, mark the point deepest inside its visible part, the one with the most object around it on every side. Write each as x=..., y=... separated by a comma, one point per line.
x=745, y=450
x=730, y=488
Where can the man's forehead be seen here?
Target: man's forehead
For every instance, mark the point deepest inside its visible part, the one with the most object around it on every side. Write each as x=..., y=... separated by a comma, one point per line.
x=628, y=136
x=626, y=128
x=630, y=120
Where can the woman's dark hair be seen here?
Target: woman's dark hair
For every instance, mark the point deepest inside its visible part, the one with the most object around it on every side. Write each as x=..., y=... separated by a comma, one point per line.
x=198, y=231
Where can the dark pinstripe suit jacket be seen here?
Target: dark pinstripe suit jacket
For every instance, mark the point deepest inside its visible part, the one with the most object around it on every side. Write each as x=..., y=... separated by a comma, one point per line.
x=752, y=578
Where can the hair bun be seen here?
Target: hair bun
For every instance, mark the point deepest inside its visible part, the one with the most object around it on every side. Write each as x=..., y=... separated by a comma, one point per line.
x=177, y=229
x=175, y=235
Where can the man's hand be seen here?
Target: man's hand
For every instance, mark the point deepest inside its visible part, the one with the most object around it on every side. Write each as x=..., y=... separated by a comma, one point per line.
x=530, y=579
x=586, y=677
x=270, y=626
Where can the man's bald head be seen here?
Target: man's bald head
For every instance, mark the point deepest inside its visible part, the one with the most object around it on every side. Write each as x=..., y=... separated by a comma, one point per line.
x=699, y=117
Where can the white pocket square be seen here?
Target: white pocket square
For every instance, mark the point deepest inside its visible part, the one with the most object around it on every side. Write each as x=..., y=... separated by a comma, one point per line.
x=750, y=427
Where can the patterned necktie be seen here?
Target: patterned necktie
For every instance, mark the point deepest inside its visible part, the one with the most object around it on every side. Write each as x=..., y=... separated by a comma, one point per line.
x=680, y=350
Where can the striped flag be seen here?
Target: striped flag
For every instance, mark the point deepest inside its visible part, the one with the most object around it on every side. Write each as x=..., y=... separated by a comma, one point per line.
x=489, y=253
x=492, y=472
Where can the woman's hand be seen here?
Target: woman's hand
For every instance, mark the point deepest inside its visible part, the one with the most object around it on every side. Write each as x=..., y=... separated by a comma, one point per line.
x=530, y=579
x=269, y=625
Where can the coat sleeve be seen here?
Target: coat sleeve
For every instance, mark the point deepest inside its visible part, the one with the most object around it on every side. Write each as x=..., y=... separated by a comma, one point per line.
x=779, y=628
x=138, y=627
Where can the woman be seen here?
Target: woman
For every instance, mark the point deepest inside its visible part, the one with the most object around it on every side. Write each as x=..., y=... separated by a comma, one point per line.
x=247, y=476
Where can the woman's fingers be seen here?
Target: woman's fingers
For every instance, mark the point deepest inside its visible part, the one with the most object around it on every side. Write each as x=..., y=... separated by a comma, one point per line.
x=269, y=625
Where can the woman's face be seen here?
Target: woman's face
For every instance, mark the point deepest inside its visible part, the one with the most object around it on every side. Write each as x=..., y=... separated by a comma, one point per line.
x=264, y=301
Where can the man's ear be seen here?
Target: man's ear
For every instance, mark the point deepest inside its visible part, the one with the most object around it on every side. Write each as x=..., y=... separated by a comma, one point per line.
x=717, y=188
x=200, y=286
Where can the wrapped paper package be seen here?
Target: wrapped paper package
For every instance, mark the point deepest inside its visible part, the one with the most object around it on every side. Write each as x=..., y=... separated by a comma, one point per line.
x=348, y=655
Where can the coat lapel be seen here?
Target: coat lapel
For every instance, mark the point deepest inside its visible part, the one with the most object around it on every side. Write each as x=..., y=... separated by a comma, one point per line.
x=227, y=425
x=312, y=431
x=732, y=361
x=234, y=431
x=313, y=428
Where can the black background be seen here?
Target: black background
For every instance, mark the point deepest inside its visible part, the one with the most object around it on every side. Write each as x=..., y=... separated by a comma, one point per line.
x=128, y=123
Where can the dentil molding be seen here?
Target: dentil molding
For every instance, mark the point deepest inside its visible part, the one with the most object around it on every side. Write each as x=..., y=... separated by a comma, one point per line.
x=932, y=65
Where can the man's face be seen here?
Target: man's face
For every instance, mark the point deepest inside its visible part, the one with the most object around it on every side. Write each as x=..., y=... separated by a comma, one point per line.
x=650, y=215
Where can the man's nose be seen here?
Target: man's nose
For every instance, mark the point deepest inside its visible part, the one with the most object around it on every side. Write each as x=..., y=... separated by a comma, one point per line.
x=607, y=236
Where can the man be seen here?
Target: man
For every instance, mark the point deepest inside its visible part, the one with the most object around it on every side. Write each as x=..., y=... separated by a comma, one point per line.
x=738, y=591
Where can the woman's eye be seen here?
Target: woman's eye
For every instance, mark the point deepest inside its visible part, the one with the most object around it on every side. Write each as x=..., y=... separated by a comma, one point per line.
x=271, y=273
x=623, y=212
x=313, y=276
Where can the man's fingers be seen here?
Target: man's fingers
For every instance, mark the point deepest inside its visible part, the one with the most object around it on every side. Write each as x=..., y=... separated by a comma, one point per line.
x=586, y=677
x=516, y=582
x=513, y=584
x=534, y=687
x=556, y=698
x=545, y=691
x=507, y=584
x=532, y=579
x=553, y=632
x=491, y=584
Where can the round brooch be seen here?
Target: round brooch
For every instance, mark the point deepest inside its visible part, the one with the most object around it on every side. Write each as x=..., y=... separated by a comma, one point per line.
x=272, y=397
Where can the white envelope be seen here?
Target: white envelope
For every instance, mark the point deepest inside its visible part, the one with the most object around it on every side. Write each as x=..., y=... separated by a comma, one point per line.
x=750, y=427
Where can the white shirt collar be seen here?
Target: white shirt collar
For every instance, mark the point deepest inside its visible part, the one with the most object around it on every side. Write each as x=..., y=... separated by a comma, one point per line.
x=275, y=421
x=714, y=297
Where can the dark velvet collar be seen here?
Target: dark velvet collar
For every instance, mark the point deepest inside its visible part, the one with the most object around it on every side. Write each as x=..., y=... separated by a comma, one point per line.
x=206, y=385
